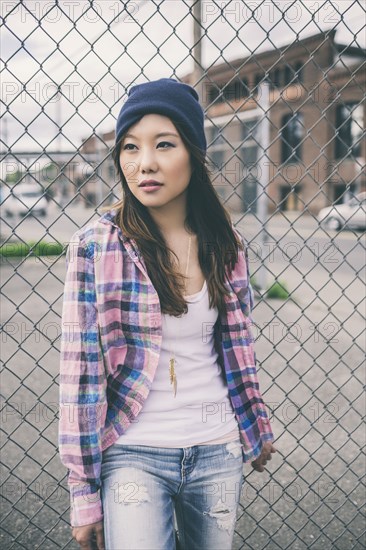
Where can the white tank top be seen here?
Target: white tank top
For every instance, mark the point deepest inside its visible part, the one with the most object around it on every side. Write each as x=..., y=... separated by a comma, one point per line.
x=201, y=412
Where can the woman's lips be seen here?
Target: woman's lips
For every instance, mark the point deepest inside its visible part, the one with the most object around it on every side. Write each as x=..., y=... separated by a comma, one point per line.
x=149, y=188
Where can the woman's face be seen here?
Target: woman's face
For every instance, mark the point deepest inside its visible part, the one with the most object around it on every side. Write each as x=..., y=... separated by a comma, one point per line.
x=153, y=150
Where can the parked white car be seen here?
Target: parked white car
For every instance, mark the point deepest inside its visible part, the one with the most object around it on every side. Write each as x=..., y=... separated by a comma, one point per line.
x=351, y=214
x=23, y=199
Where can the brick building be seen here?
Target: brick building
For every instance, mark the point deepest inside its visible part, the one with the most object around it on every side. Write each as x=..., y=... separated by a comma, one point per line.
x=316, y=154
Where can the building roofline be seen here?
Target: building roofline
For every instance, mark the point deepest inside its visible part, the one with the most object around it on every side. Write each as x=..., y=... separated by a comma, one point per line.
x=351, y=50
x=239, y=61
x=217, y=68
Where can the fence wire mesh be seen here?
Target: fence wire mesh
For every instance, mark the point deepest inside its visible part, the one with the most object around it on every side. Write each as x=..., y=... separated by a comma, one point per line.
x=283, y=87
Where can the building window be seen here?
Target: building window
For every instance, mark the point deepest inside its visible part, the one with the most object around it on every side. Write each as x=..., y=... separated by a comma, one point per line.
x=287, y=74
x=213, y=92
x=289, y=198
x=349, y=129
x=216, y=136
x=244, y=87
x=249, y=165
x=277, y=78
x=234, y=91
x=298, y=71
x=257, y=79
x=217, y=148
x=248, y=130
x=342, y=191
x=274, y=78
x=111, y=172
x=217, y=159
x=293, y=74
x=292, y=133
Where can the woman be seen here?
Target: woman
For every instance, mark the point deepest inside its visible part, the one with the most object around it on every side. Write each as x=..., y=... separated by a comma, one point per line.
x=159, y=395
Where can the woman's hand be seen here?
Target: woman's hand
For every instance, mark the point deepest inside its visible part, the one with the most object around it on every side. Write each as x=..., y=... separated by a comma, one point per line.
x=90, y=537
x=259, y=463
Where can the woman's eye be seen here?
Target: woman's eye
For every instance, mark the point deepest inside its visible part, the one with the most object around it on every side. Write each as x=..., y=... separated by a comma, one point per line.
x=166, y=143
x=128, y=145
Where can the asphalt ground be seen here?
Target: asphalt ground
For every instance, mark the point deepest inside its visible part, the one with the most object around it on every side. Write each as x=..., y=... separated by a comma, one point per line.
x=310, y=350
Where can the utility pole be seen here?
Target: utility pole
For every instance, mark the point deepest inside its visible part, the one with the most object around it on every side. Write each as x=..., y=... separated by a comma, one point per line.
x=5, y=132
x=263, y=179
x=58, y=118
x=99, y=172
x=197, y=48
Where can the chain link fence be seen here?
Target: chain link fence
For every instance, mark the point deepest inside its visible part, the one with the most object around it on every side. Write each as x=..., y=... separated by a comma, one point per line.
x=283, y=86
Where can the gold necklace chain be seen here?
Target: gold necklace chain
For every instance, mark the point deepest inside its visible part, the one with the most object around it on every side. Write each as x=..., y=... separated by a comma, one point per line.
x=172, y=360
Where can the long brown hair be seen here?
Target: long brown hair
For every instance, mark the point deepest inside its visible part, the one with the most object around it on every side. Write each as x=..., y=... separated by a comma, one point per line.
x=206, y=217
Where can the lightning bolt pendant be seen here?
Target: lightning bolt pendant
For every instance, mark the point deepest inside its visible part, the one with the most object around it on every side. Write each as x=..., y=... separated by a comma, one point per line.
x=173, y=377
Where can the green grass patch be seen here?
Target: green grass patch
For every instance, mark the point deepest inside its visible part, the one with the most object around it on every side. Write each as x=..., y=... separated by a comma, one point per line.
x=278, y=290
x=31, y=248
x=254, y=283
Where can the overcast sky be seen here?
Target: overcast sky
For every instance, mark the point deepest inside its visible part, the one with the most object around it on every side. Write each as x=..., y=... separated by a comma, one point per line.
x=57, y=51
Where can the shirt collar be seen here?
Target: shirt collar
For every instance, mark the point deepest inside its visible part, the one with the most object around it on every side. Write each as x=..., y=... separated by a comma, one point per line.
x=108, y=218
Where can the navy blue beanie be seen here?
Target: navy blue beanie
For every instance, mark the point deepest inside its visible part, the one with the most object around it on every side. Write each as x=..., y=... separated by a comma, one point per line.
x=167, y=97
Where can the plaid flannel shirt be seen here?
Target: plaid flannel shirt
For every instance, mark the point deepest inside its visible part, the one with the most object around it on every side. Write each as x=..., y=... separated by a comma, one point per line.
x=110, y=345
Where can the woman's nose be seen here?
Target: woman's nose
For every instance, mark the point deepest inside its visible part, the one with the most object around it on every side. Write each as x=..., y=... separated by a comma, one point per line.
x=147, y=159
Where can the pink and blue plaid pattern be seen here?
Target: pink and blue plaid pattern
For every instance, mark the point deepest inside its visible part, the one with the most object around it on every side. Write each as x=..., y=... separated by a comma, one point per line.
x=110, y=345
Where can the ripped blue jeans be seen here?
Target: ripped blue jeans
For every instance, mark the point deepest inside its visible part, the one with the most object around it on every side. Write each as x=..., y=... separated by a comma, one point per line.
x=147, y=491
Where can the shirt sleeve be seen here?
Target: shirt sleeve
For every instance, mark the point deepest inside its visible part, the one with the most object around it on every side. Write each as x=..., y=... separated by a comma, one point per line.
x=82, y=385
x=246, y=298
